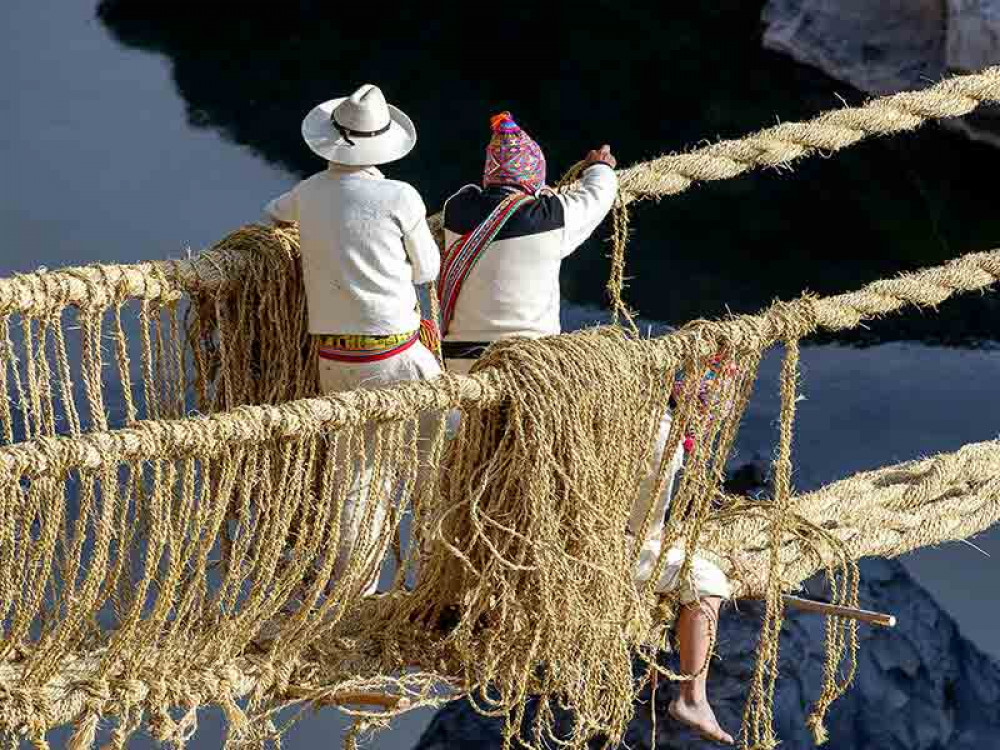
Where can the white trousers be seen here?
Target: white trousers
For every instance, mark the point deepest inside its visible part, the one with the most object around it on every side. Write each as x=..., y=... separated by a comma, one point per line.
x=416, y=363
x=364, y=502
x=706, y=578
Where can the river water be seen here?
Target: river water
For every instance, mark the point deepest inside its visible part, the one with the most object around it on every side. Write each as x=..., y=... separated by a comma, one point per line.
x=101, y=163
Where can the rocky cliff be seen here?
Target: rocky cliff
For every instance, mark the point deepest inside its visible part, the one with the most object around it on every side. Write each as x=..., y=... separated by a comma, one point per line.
x=893, y=45
x=920, y=686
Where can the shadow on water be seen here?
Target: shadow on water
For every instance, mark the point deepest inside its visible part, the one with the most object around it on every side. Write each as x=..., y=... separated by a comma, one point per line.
x=647, y=79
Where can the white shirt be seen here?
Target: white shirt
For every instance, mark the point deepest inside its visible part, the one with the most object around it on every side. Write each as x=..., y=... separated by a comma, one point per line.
x=513, y=290
x=365, y=243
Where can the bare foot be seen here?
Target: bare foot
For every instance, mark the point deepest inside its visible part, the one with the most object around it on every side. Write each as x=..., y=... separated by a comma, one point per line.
x=700, y=717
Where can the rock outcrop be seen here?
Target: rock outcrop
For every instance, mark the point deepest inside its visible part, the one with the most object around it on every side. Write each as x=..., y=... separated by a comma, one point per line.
x=920, y=686
x=890, y=46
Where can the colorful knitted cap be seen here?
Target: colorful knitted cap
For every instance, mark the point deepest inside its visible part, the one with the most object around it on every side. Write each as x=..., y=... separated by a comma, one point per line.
x=512, y=158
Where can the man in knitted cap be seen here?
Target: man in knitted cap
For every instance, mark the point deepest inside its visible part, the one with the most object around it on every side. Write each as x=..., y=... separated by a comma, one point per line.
x=504, y=245
x=506, y=241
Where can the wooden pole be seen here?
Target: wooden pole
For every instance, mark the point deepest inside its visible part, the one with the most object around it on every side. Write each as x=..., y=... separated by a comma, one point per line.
x=354, y=698
x=824, y=608
x=388, y=702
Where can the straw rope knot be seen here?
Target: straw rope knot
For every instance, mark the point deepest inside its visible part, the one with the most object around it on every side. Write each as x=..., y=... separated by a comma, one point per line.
x=96, y=696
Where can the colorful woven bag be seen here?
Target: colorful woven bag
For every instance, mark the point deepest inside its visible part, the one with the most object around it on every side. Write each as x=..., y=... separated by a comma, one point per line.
x=709, y=394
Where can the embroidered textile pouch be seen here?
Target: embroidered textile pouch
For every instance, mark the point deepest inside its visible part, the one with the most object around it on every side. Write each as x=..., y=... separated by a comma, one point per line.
x=709, y=394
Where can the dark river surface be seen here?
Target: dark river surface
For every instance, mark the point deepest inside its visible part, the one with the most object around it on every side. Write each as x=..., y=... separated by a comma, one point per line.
x=117, y=154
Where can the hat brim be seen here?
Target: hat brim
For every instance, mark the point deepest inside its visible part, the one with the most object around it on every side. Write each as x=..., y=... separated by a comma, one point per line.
x=326, y=141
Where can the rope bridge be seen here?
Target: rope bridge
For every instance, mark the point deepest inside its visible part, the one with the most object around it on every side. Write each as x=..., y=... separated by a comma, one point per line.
x=194, y=526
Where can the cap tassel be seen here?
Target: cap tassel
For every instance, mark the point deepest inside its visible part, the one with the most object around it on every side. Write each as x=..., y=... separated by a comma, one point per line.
x=503, y=123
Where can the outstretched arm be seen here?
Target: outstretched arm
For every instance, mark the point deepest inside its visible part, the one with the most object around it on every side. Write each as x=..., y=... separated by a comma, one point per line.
x=587, y=203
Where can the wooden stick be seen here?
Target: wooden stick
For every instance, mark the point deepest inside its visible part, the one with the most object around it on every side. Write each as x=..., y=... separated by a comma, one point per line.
x=388, y=702
x=381, y=700
x=824, y=608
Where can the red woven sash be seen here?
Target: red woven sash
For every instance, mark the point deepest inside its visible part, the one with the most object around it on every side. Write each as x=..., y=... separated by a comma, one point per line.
x=459, y=259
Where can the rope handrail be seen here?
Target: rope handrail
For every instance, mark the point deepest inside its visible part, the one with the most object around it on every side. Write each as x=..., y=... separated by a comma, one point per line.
x=944, y=497
x=831, y=131
x=253, y=425
x=42, y=292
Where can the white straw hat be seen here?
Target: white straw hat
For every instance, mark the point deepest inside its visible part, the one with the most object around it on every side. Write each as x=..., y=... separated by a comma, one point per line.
x=359, y=130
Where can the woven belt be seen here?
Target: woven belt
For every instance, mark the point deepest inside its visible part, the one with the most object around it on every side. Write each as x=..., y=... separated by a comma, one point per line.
x=355, y=347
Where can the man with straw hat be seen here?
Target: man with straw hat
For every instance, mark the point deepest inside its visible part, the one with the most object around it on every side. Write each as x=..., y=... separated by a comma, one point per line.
x=505, y=243
x=365, y=243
